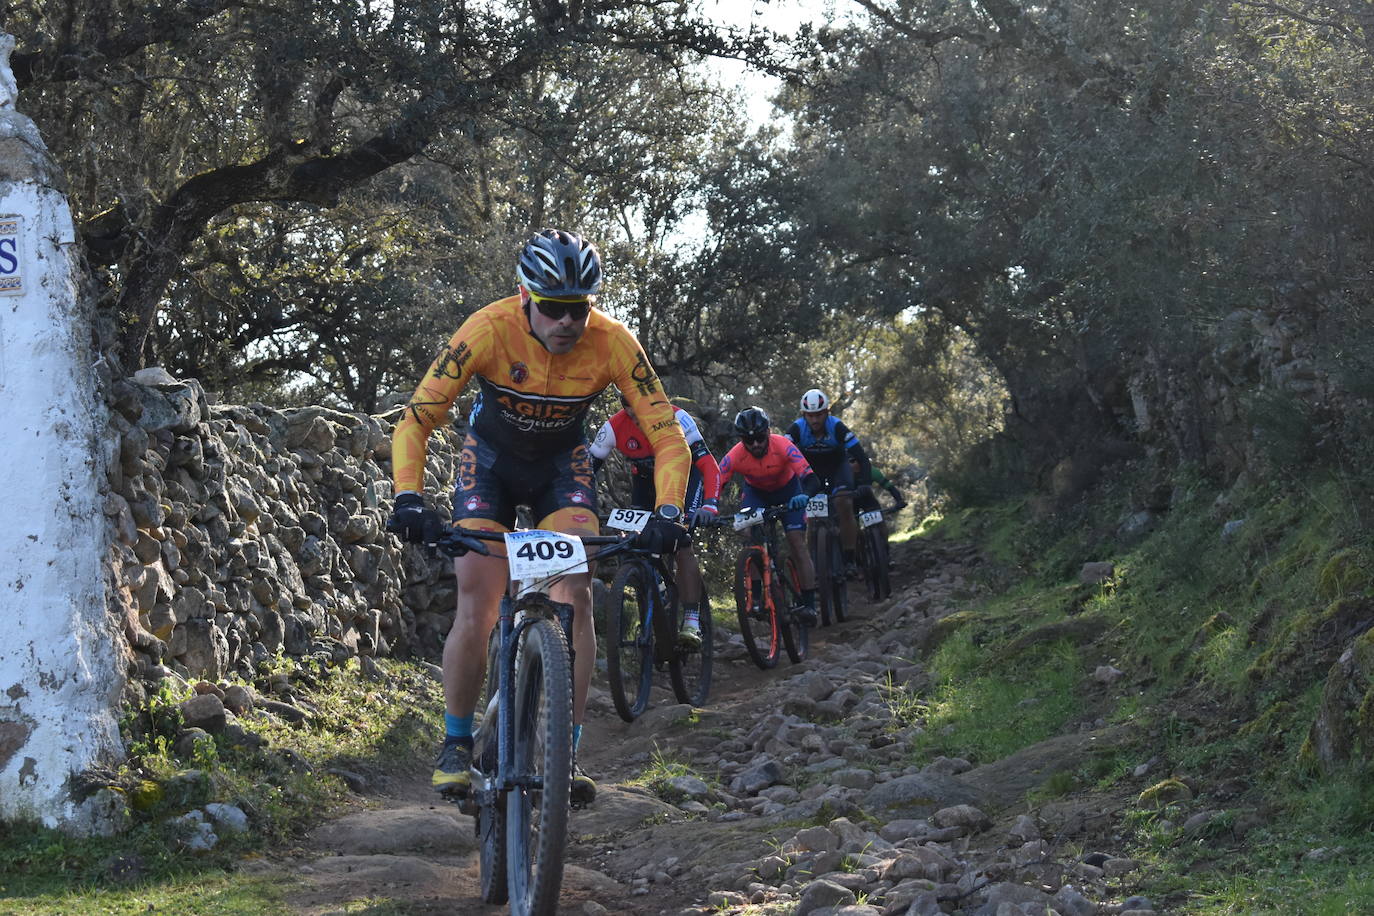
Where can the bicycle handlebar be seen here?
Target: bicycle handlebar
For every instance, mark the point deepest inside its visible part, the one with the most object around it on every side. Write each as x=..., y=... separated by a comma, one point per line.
x=455, y=542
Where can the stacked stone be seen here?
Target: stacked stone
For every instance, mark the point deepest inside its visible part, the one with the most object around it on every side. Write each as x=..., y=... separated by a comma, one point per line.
x=242, y=531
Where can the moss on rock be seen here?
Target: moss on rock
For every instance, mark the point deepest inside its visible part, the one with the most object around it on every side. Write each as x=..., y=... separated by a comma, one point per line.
x=1346, y=572
x=1165, y=793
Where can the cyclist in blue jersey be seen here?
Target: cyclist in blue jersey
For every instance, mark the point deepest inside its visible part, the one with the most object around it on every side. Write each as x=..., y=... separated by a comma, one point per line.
x=828, y=446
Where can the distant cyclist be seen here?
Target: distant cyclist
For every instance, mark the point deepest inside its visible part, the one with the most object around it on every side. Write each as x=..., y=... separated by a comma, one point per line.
x=622, y=433
x=775, y=474
x=829, y=446
x=540, y=358
x=868, y=502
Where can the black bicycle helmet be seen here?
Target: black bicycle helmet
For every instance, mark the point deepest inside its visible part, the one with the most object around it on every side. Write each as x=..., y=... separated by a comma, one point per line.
x=559, y=264
x=751, y=421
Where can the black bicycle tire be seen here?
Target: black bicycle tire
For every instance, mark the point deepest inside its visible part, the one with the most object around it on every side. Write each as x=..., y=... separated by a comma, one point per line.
x=679, y=666
x=820, y=561
x=490, y=819
x=630, y=576
x=542, y=672
x=491, y=843
x=796, y=638
x=875, y=567
x=839, y=599
x=753, y=557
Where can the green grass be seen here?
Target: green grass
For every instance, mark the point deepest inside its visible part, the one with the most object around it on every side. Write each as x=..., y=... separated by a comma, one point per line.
x=214, y=894
x=660, y=770
x=373, y=728
x=1226, y=645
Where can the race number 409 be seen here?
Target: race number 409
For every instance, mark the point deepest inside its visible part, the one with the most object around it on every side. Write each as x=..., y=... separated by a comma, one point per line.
x=535, y=554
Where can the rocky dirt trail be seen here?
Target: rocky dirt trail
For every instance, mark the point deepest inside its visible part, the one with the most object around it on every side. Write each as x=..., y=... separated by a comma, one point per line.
x=806, y=802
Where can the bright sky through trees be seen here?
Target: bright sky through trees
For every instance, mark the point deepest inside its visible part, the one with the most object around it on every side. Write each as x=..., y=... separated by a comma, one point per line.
x=778, y=16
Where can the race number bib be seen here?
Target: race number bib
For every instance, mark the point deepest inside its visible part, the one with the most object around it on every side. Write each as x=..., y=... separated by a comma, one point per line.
x=748, y=519
x=628, y=519
x=869, y=519
x=818, y=506
x=537, y=554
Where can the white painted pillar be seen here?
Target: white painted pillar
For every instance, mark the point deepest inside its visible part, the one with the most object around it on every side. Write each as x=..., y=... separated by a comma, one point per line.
x=60, y=670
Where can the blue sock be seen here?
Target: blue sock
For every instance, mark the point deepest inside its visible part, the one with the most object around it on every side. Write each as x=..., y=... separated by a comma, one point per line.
x=577, y=735
x=457, y=726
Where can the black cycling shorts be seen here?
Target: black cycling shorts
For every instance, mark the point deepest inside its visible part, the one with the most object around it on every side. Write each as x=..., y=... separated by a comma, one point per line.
x=492, y=485
x=643, y=495
x=836, y=476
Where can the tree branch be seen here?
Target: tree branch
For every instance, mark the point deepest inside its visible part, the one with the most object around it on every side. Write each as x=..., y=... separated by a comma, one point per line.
x=166, y=26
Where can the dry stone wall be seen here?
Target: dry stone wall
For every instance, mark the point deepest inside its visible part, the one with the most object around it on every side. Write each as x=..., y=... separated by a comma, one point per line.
x=242, y=531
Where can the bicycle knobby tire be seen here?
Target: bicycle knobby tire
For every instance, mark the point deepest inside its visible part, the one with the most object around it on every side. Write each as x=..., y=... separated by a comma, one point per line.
x=820, y=561
x=630, y=647
x=690, y=672
x=537, y=809
x=758, y=615
x=796, y=637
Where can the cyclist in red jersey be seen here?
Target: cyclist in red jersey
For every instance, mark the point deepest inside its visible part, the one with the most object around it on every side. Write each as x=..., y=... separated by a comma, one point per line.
x=774, y=473
x=540, y=359
x=622, y=433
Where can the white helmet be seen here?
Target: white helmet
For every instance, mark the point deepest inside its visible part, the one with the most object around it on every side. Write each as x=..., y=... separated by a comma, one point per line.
x=814, y=400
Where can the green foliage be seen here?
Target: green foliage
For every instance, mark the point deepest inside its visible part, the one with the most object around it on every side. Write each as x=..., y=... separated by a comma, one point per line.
x=1226, y=644
x=982, y=709
x=361, y=725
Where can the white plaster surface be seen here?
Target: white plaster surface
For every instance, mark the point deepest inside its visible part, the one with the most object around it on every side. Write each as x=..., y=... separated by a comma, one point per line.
x=60, y=671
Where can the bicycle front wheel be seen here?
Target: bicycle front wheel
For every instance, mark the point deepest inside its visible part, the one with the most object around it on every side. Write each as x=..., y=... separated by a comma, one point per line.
x=690, y=671
x=875, y=568
x=820, y=560
x=537, y=806
x=758, y=618
x=629, y=650
x=796, y=636
x=839, y=585
x=490, y=819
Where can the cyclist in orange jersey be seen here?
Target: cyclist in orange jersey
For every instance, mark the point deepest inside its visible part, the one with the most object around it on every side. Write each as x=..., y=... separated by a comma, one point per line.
x=540, y=358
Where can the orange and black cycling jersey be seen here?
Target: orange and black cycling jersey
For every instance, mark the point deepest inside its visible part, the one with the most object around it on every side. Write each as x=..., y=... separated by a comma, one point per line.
x=532, y=402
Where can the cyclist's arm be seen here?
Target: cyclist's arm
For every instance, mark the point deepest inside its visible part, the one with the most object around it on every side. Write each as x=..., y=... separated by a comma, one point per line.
x=856, y=451
x=801, y=469
x=727, y=467
x=701, y=456
x=429, y=405
x=601, y=446
x=639, y=383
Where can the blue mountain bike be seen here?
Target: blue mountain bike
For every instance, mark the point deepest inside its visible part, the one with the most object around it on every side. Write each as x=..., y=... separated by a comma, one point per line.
x=522, y=751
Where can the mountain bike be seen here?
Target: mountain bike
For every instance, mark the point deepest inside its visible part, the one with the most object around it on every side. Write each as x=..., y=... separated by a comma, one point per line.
x=643, y=623
x=766, y=595
x=827, y=554
x=872, y=554
x=522, y=751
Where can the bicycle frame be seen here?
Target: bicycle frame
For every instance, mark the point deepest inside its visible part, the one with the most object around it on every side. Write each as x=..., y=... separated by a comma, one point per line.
x=509, y=631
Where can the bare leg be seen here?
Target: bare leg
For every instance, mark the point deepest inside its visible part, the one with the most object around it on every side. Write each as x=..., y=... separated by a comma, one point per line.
x=481, y=582
x=796, y=541
x=688, y=576
x=849, y=530
x=577, y=591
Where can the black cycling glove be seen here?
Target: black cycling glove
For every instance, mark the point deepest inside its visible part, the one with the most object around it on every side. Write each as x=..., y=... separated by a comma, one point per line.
x=662, y=536
x=413, y=521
